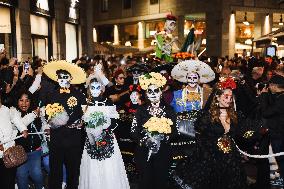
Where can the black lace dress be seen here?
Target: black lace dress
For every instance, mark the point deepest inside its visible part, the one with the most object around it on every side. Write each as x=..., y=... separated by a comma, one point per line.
x=216, y=163
x=153, y=172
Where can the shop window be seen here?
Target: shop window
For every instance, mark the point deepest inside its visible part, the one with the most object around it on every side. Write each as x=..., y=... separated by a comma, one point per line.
x=127, y=4
x=5, y=31
x=153, y=2
x=130, y=32
x=104, y=5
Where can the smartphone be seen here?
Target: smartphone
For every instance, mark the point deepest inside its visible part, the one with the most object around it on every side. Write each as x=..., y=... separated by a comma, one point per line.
x=2, y=48
x=26, y=66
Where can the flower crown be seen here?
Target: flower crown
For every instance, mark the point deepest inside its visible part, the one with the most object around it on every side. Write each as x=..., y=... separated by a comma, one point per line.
x=152, y=79
x=171, y=17
x=227, y=83
x=135, y=88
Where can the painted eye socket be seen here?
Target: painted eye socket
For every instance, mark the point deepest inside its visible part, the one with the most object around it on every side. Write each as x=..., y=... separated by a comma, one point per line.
x=98, y=87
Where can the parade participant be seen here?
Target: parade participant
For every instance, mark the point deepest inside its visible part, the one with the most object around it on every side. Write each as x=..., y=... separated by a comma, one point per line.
x=126, y=144
x=165, y=39
x=102, y=165
x=137, y=70
x=64, y=112
x=152, y=128
x=216, y=162
x=188, y=101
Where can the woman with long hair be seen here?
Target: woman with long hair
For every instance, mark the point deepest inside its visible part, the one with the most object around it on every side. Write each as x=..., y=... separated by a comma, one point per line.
x=32, y=144
x=216, y=162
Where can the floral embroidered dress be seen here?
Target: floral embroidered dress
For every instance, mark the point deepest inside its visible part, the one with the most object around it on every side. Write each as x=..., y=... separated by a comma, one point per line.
x=216, y=162
x=101, y=165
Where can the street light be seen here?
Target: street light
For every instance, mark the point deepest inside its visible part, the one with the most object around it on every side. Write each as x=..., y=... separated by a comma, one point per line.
x=245, y=20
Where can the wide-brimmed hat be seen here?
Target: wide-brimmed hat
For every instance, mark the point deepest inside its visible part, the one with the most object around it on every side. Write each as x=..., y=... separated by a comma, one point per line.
x=138, y=67
x=168, y=67
x=77, y=73
x=182, y=69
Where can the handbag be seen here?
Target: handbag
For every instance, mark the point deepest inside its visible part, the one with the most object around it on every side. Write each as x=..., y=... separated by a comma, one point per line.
x=14, y=156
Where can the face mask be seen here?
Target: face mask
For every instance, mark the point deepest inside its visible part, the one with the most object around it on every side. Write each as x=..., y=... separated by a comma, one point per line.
x=192, y=79
x=64, y=80
x=154, y=93
x=134, y=97
x=95, y=89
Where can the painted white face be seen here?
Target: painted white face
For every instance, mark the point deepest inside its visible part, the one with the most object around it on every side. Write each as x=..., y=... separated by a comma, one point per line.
x=136, y=74
x=192, y=79
x=134, y=97
x=170, y=25
x=95, y=89
x=64, y=80
x=154, y=93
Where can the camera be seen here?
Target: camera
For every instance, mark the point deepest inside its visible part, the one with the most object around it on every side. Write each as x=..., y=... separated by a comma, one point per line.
x=262, y=85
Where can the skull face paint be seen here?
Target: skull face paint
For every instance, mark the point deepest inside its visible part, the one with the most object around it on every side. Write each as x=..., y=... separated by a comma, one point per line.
x=154, y=93
x=170, y=25
x=192, y=79
x=134, y=97
x=64, y=80
x=136, y=74
x=95, y=89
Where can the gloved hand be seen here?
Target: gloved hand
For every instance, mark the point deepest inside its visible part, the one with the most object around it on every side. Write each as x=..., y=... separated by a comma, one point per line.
x=152, y=145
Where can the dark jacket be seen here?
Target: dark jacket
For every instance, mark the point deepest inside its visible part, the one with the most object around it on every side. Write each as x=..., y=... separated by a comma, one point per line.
x=272, y=108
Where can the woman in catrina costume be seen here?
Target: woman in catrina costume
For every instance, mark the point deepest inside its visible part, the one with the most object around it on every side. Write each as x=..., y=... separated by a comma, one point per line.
x=102, y=165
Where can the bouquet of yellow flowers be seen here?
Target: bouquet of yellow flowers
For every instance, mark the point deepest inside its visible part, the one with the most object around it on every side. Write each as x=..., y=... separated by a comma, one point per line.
x=57, y=116
x=156, y=129
x=158, y=125
x=152, y=79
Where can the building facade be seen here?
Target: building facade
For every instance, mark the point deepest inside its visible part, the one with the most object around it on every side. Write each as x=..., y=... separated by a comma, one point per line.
x=50, y=29
x=223, y=27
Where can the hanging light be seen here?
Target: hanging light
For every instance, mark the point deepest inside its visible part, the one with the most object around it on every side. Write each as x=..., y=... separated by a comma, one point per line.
x=246, y=20
x=281, y=21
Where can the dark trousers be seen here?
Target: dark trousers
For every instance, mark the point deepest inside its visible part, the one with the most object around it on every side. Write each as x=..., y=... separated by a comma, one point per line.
x=7, y=176
x=71, y=157
x=66, y=147
x=263, y=167
x=278, y=146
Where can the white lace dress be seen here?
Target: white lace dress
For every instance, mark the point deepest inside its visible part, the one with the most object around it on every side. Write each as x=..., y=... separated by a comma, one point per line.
x=102, y=172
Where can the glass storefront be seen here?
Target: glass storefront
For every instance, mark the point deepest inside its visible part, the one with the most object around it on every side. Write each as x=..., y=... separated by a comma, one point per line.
x=71, y=42
x=39, y=32
x=6, y=31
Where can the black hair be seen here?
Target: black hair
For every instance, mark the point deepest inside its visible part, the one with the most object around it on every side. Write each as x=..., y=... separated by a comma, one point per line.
x=30, y=97
x=62, y=72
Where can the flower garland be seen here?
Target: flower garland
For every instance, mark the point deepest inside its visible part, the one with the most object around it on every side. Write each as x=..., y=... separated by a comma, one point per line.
x=53, y=110
x=152, y=79
x=157, y=125
x=103, y=147
x=183, y=55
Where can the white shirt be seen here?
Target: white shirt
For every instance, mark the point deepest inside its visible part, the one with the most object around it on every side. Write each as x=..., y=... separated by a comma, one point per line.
x=10, y=121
